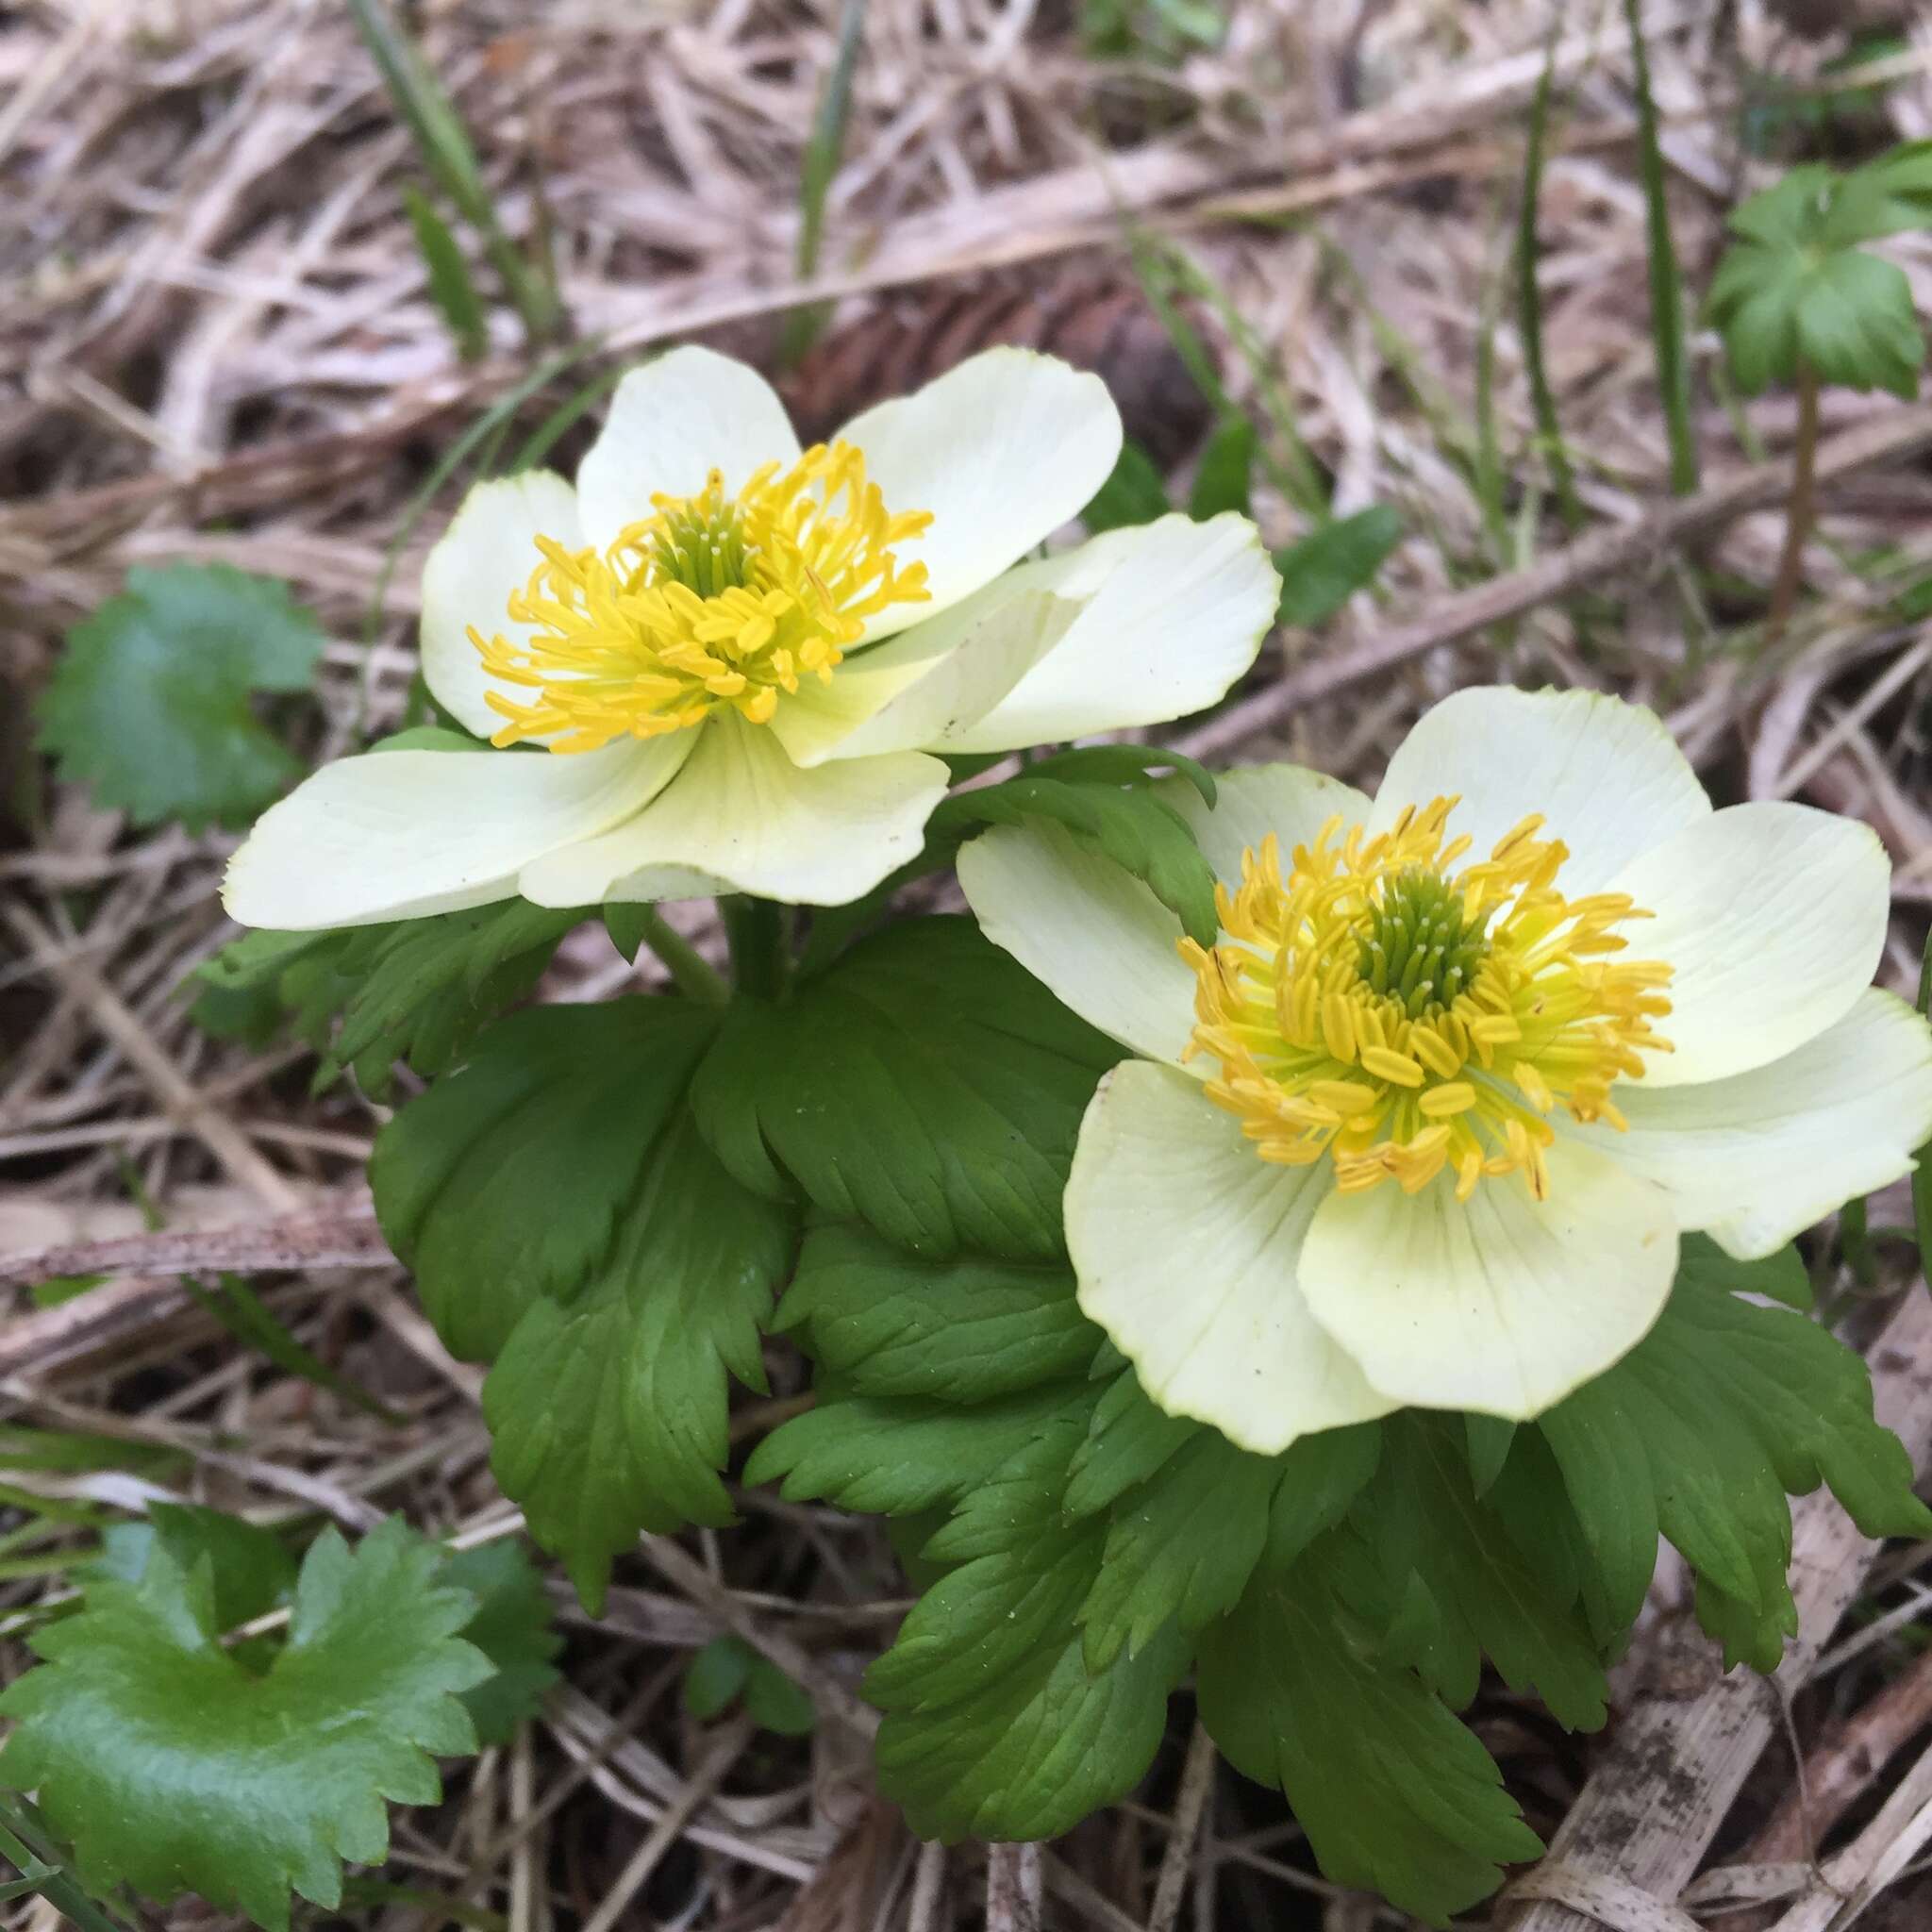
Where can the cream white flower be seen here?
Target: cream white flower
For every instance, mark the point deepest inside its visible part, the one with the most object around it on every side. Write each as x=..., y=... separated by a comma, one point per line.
x=1425, y=1126
x=720, y=663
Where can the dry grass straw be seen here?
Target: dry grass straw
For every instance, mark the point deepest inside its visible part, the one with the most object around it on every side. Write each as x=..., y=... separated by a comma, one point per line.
x=216, y=341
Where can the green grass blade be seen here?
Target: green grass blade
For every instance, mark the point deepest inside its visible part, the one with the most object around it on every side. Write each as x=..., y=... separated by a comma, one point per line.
x=804, y=324
x=450, y=157
x=450, y=287
x=1529, y=299
x=251, y=1322
x=1666, y=288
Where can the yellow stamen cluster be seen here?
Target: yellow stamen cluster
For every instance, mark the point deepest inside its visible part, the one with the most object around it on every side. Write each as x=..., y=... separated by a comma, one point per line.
x=1402, y=1017
x=716, y=600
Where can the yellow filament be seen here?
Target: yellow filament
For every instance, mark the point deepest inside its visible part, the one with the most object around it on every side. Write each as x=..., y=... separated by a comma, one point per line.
x=1404, y=1080
x=715, y=600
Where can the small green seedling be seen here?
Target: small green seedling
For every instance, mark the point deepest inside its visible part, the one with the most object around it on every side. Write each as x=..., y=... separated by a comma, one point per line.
x=727, y=1669
x=1799, y=301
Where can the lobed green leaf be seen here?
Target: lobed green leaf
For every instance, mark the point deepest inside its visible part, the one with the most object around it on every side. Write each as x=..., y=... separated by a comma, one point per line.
x=150, y=703
x=172, y=1767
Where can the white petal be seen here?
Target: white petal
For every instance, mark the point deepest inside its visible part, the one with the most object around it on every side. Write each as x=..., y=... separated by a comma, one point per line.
x=1187, y=1246
x=1772, y=917
x=1174, y=612
x=743, y=818
x=1502, y=1305
x=1762, y=1156
x=1607, y=778
x=1088, y=930
x=489, y=550
x=1290, y=801
x=913, y=692
x=1002, y=450
x=671, y=423
x=399, y=834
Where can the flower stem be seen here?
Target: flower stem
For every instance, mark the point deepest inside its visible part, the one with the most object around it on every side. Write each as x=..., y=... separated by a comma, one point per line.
x=691, y=972
x=1798, y=510
x=756, y=930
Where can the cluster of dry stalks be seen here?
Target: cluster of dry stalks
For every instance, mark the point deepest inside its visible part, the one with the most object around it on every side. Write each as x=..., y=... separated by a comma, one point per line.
x=216, y=342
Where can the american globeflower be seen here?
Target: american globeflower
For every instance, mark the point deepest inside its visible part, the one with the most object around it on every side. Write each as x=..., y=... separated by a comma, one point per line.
x=1423, y=1127
x=719, y=662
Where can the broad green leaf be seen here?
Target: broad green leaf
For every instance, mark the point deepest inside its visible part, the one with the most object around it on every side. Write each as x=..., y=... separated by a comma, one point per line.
x=715, y=1675
x=926, y=1084
x=1180, y=1547
x=1487, y=1438
x=1700, y=1432
x=566, y=1223
x=149, y=705
x=1396, y=1794
x=1123, y=764
x=1320, y=1477
x=1795, y=293
x=1779, y=1278
x=609, y=1411
x=172, y=1767
x=418, y=990
x=252, y=1568
x=778, y=1704
x=1128, y=1440
x=897, y=1456
x=1890, y=195
x=1324, y=569
x=1136, y=492
x=1857, y=324
x=886, y=1322
x=996, y=1726
x=512, y=1626
x=1221, y=482
x=504, y=1184
x=1449, y=1586
x=1132, y=826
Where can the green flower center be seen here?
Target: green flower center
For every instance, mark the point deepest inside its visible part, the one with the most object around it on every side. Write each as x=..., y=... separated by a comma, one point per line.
x=1421, y=946
x=700, y=543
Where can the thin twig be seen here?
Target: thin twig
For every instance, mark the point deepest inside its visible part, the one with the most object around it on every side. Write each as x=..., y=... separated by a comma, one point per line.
x=1895, y=436
x=1197, y=1780
x=1012, y=1889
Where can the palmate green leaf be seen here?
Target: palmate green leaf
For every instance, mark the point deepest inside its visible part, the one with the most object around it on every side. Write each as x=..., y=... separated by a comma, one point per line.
x=1190, y=1515
x=149, y=705
x=996, y=1726
x=417, y=990
x=252, y=1568
x=1396, y=1794
x=886, y=1322
x=925, y=1083
x=172, y=1768
x=511, y=1625
x=566, y=1222
x=609, y=1413
x=1795, y=293
x=1180, y=1548
x=1699, y=1433
x=1438, y=1575
x=503, y=1183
